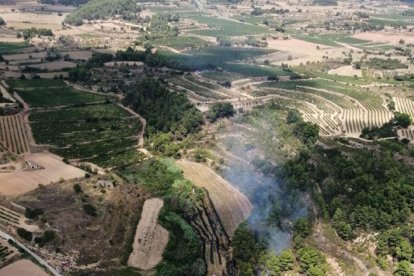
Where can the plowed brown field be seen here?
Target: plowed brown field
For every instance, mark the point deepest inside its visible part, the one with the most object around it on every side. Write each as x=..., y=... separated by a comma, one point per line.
x=150, y=238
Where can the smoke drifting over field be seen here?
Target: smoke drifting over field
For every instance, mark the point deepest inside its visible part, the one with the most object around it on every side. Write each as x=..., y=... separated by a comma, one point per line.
x=274, y=210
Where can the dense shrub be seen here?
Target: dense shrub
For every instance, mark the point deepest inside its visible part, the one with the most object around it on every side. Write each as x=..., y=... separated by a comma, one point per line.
x=90, y=210
x=32, y=213
x=24, y=234
x=220, y=110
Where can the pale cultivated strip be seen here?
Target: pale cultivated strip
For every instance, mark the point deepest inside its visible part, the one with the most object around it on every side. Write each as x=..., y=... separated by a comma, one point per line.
x=150, y=238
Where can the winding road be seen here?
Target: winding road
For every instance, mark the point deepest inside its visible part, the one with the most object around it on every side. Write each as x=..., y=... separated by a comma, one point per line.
x=34, y=255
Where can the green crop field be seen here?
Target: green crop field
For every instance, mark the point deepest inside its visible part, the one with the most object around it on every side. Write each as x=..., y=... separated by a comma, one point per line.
x=86, y=132
x=226, y=58
x=99, y=132
x=330, y=39
x=223, y=27
x=180, y=42
x=221, y=76
x=11, y=48
x=48, y=93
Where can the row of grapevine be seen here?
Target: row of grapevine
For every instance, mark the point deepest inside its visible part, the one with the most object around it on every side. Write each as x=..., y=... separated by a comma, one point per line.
x=13, y=134
x=407, y=133
x=404, y=105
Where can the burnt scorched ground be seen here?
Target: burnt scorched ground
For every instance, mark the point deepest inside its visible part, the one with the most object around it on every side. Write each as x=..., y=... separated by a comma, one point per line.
x=87, y=243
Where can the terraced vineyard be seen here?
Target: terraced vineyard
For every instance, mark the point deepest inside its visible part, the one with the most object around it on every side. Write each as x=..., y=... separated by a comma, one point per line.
x=200, y=88
x=337, y=107
x=13, y=134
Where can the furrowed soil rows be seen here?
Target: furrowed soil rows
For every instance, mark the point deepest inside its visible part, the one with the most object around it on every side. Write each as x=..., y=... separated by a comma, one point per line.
x=232, y=206
x=13, y=134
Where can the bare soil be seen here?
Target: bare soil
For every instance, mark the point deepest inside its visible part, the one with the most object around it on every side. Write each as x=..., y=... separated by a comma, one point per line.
x=22, y=268
x=19, y=182
x=150, y=237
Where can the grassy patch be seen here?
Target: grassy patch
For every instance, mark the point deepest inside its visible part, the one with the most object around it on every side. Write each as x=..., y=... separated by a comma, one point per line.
x=223, y=27
x=330, y=39
x=10, y=48
x=180, y=42
x=226, y=58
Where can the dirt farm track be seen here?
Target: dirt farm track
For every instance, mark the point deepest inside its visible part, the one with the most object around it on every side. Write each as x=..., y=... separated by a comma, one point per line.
x=19, y=181
x=232, y=206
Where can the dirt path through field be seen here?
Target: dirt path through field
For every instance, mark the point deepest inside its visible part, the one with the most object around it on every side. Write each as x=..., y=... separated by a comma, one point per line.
x=150, y=238
x=232, y=206
x=141, y=119
x=25, y=116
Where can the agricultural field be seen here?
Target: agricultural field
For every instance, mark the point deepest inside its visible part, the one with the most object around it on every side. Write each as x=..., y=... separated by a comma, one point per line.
x=52, y=93
x=22, y=268
x=103, y=134
x=338, y=108
x=150, y=237
x=14, y=134
x=269, y=98
x=22, y=181
x=180, y=42
x=9, y=48
x=224, y=27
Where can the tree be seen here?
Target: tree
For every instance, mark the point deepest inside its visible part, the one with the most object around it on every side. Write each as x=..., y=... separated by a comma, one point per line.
x=90, y=210
x=404, y=250
x=293, y=116
x=307, y=132
x=77, y=188
x=2, y=22
x=316, y=270
x=343, y=229
x=32, y=213
x=403, y=269
x=273, y=264
x=311, y=260
x=165, y=111
x=302, y=227
x=220, y=110
x=246, y=249
x=402, y=119
x=23, y=233
x=286, y=260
